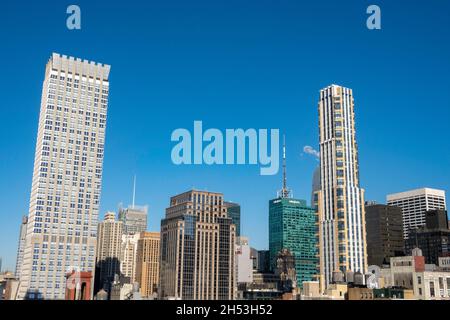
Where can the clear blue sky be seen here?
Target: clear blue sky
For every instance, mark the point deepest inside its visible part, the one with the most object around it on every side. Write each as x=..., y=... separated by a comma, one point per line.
x=231, y=64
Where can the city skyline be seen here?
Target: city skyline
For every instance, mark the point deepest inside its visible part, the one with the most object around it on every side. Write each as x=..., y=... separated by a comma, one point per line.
x=408, y=159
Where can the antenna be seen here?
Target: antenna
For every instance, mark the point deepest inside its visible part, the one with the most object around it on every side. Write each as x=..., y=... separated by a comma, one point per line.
x=284, y=192
x=134, y=190
x=284, y=162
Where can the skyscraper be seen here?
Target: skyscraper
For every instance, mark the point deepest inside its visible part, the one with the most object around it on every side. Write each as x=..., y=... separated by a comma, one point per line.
x=234, y=212
x=315, y=186
x=67, y=175
x=293, y=226
x=21, y=246
x=109, y=242
x=414, y=204
x=197, y=248
x=134, y=219
x=147, y=263
x=340, y=199
x=128, y=256
x=384, y=226
x=263, y=261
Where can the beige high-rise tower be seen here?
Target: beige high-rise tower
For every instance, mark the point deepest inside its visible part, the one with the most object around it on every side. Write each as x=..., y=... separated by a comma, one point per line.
x=109, y=247
x=65, y=193
x=340, y=199
x=197, y=248
x=147, y=263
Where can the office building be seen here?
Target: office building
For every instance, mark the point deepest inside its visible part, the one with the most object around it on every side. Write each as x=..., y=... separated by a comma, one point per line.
x=433, y=238
x=293, y=226
x=254, y=257
x=128, y=256
x=147, y=263
x=414, y=204
x=263, y=287
x=315, y=187
x=234, y=212
x=263, y=261
x=244, y=263
x=340, y=201
x=384, y=227
x=197, y=248
x=109, y=244
x=134, y=219
x=67, y=177
x=21, y=246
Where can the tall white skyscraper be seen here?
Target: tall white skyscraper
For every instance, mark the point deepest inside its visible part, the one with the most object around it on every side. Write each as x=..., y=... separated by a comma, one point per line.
x=414, y=204
x=128, y=255
x=340, y=199
x=65, y=193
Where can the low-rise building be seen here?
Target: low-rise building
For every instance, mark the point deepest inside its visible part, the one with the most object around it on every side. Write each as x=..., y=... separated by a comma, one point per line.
x=427, y=282
x=359, y=293
x=9, y=285
x=392, y=293
x=337, y=291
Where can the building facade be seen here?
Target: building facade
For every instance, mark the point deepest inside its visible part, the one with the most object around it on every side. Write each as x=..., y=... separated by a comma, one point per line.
x=128, y=256
x=234, y=212
x=285, y=270
x=244, y=262
x=20, y=247
x=78, y=285
x=197, y=248
x=293, y=226
x=315, y=187
x=263, y=261
x=433, y=238
x=414, y=204
x=134, y=219
x=109, y=242
x=384, y=227
x=340, y=201
x=147, y=263
x=65, y=193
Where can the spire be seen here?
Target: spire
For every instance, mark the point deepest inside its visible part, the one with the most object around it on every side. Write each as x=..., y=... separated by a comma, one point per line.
x=285, y=192
x=284, y=162
x=134, y=190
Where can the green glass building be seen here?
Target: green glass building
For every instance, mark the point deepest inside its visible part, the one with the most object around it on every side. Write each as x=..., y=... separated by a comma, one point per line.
x=293, y=226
